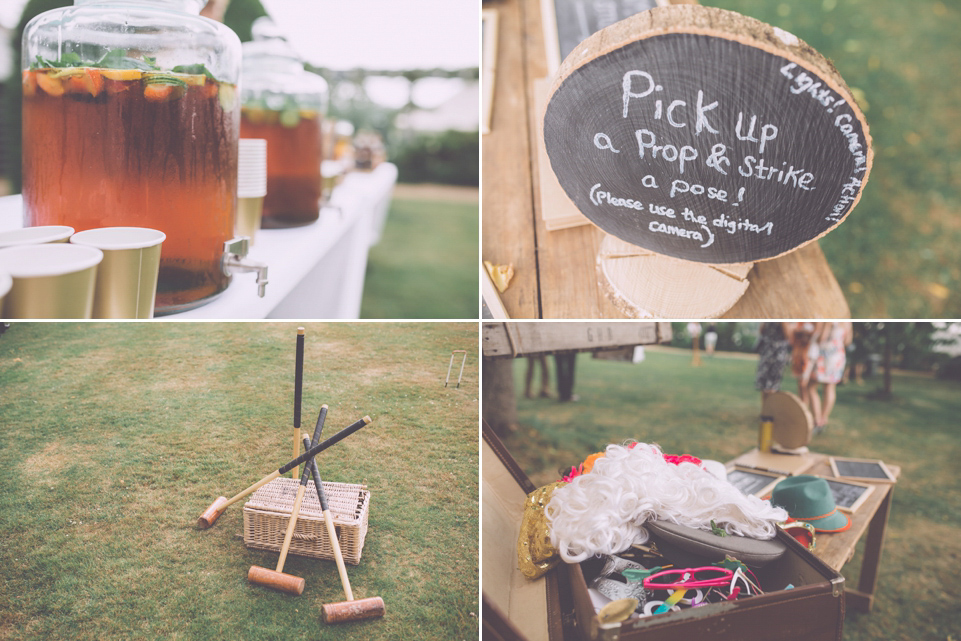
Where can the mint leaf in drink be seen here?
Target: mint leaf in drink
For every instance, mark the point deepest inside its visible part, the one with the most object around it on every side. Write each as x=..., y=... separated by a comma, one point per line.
x=195, y=70
x=66, y=60
x=118, y=59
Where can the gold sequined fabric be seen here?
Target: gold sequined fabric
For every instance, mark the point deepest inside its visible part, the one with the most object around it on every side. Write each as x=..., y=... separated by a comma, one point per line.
x=535, y=554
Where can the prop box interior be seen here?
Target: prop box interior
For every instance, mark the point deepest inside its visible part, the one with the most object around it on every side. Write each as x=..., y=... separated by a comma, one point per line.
x=558, y=605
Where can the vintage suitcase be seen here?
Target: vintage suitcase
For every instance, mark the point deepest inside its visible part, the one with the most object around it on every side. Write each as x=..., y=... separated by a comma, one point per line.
x=558, y=606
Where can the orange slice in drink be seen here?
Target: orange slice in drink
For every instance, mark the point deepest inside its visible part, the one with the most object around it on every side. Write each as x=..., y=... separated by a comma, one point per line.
x=29, y=83
x=50, y=85
x=121, y=74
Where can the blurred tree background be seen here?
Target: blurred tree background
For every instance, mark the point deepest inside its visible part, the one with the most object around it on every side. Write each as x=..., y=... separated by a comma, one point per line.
x=897, y=253
x=878, y=346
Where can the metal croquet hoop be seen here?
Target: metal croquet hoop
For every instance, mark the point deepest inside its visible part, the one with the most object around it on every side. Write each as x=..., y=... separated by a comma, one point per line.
x=451, y=365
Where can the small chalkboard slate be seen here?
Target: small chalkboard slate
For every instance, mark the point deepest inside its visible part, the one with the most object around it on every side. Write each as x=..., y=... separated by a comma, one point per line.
x=752, y=482
x=862, y=469
x=849, y=496
x=569, y=22
x=705, y=135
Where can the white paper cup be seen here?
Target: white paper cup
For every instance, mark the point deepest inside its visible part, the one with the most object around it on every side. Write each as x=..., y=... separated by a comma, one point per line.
x=50, y=281
x=252, y=168
x=127, y=278
x=35, y=235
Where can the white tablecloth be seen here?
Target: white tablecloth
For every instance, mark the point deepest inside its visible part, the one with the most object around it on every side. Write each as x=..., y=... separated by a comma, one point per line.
x=316, y=271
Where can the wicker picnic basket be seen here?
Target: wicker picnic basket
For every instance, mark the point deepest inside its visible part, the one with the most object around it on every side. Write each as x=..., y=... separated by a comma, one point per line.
x=267, y=513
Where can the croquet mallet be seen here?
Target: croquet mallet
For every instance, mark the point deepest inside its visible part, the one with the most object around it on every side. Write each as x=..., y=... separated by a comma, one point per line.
x=278, y=579
x=298, y=392
x=213, y=512
x=351, y=609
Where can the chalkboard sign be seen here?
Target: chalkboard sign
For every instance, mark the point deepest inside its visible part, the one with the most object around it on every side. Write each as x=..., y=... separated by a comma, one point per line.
x=569, y=22
x=752, y=482
x=849, y=496
x=705, y=135
x=863, y=469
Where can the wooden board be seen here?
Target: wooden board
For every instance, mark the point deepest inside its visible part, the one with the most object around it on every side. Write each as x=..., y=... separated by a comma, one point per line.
x=642, y=284
x=569, y=22
x=508, y=231
x=786, y=464
x=793, y=422
x=705, y=135
x=557, y=210
x=488, y=66
x=525, y=339
x=796, y=285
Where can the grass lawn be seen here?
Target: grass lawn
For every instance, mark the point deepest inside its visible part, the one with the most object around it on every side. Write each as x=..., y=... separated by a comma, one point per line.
x=896, y=255
x=114, y=437
x=712, y=412
x=426, y=263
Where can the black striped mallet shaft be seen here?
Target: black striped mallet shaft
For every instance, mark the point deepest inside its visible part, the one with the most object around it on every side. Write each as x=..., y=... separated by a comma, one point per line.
x=298, y=389
x=352, y=609
x=212, y=513
x=278, y=579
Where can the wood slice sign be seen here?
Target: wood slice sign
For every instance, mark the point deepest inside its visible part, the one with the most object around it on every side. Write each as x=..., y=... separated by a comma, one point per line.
x=706, y=135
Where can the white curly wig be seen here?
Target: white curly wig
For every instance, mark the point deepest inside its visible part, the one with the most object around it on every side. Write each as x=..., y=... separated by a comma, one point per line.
x=604, y=511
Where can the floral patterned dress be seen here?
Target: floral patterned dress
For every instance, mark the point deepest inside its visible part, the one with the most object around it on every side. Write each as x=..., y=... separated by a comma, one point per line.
x=831, y=359
x=774, y=354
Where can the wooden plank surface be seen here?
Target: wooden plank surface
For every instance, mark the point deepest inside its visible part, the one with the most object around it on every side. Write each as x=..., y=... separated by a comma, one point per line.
x=796, y=285
x=508, y=228
x=555, y=272
x=524, y=339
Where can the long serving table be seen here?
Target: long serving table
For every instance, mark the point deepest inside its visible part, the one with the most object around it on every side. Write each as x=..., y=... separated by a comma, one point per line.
x=315, y=271
x=554, y=271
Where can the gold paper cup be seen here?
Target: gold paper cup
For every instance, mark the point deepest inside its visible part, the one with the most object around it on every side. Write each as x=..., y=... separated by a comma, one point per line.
x=35, y=235
x=249, y=214
x=127, y=278
x=5, y=284
x=50, y=281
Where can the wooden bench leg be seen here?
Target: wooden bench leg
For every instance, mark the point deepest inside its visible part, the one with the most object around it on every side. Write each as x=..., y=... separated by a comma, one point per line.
x=863, y=598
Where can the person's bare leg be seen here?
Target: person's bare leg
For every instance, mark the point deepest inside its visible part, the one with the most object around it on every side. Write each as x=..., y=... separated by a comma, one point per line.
x=545, y=377
x=830, y=396
x=815, y=402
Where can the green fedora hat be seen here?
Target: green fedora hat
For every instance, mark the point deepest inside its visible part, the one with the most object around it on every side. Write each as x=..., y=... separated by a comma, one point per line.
x=809, y=499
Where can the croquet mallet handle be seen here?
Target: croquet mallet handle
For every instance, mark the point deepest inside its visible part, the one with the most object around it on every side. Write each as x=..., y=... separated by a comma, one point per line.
x=320, y=447
x=298, y=389
x=310, y=442
x=331, y=530
x=212, y=513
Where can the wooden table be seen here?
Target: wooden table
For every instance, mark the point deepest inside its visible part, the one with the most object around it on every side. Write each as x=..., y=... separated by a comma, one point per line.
x=872, y=517
x=554, y=272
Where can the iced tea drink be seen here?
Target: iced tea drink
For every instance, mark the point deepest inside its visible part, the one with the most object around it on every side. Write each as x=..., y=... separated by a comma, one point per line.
x=126, y=147
x=294, y=154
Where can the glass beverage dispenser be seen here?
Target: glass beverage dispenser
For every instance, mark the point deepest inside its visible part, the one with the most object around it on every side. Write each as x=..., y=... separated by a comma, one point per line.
x=131, y=117
x=285, y=104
